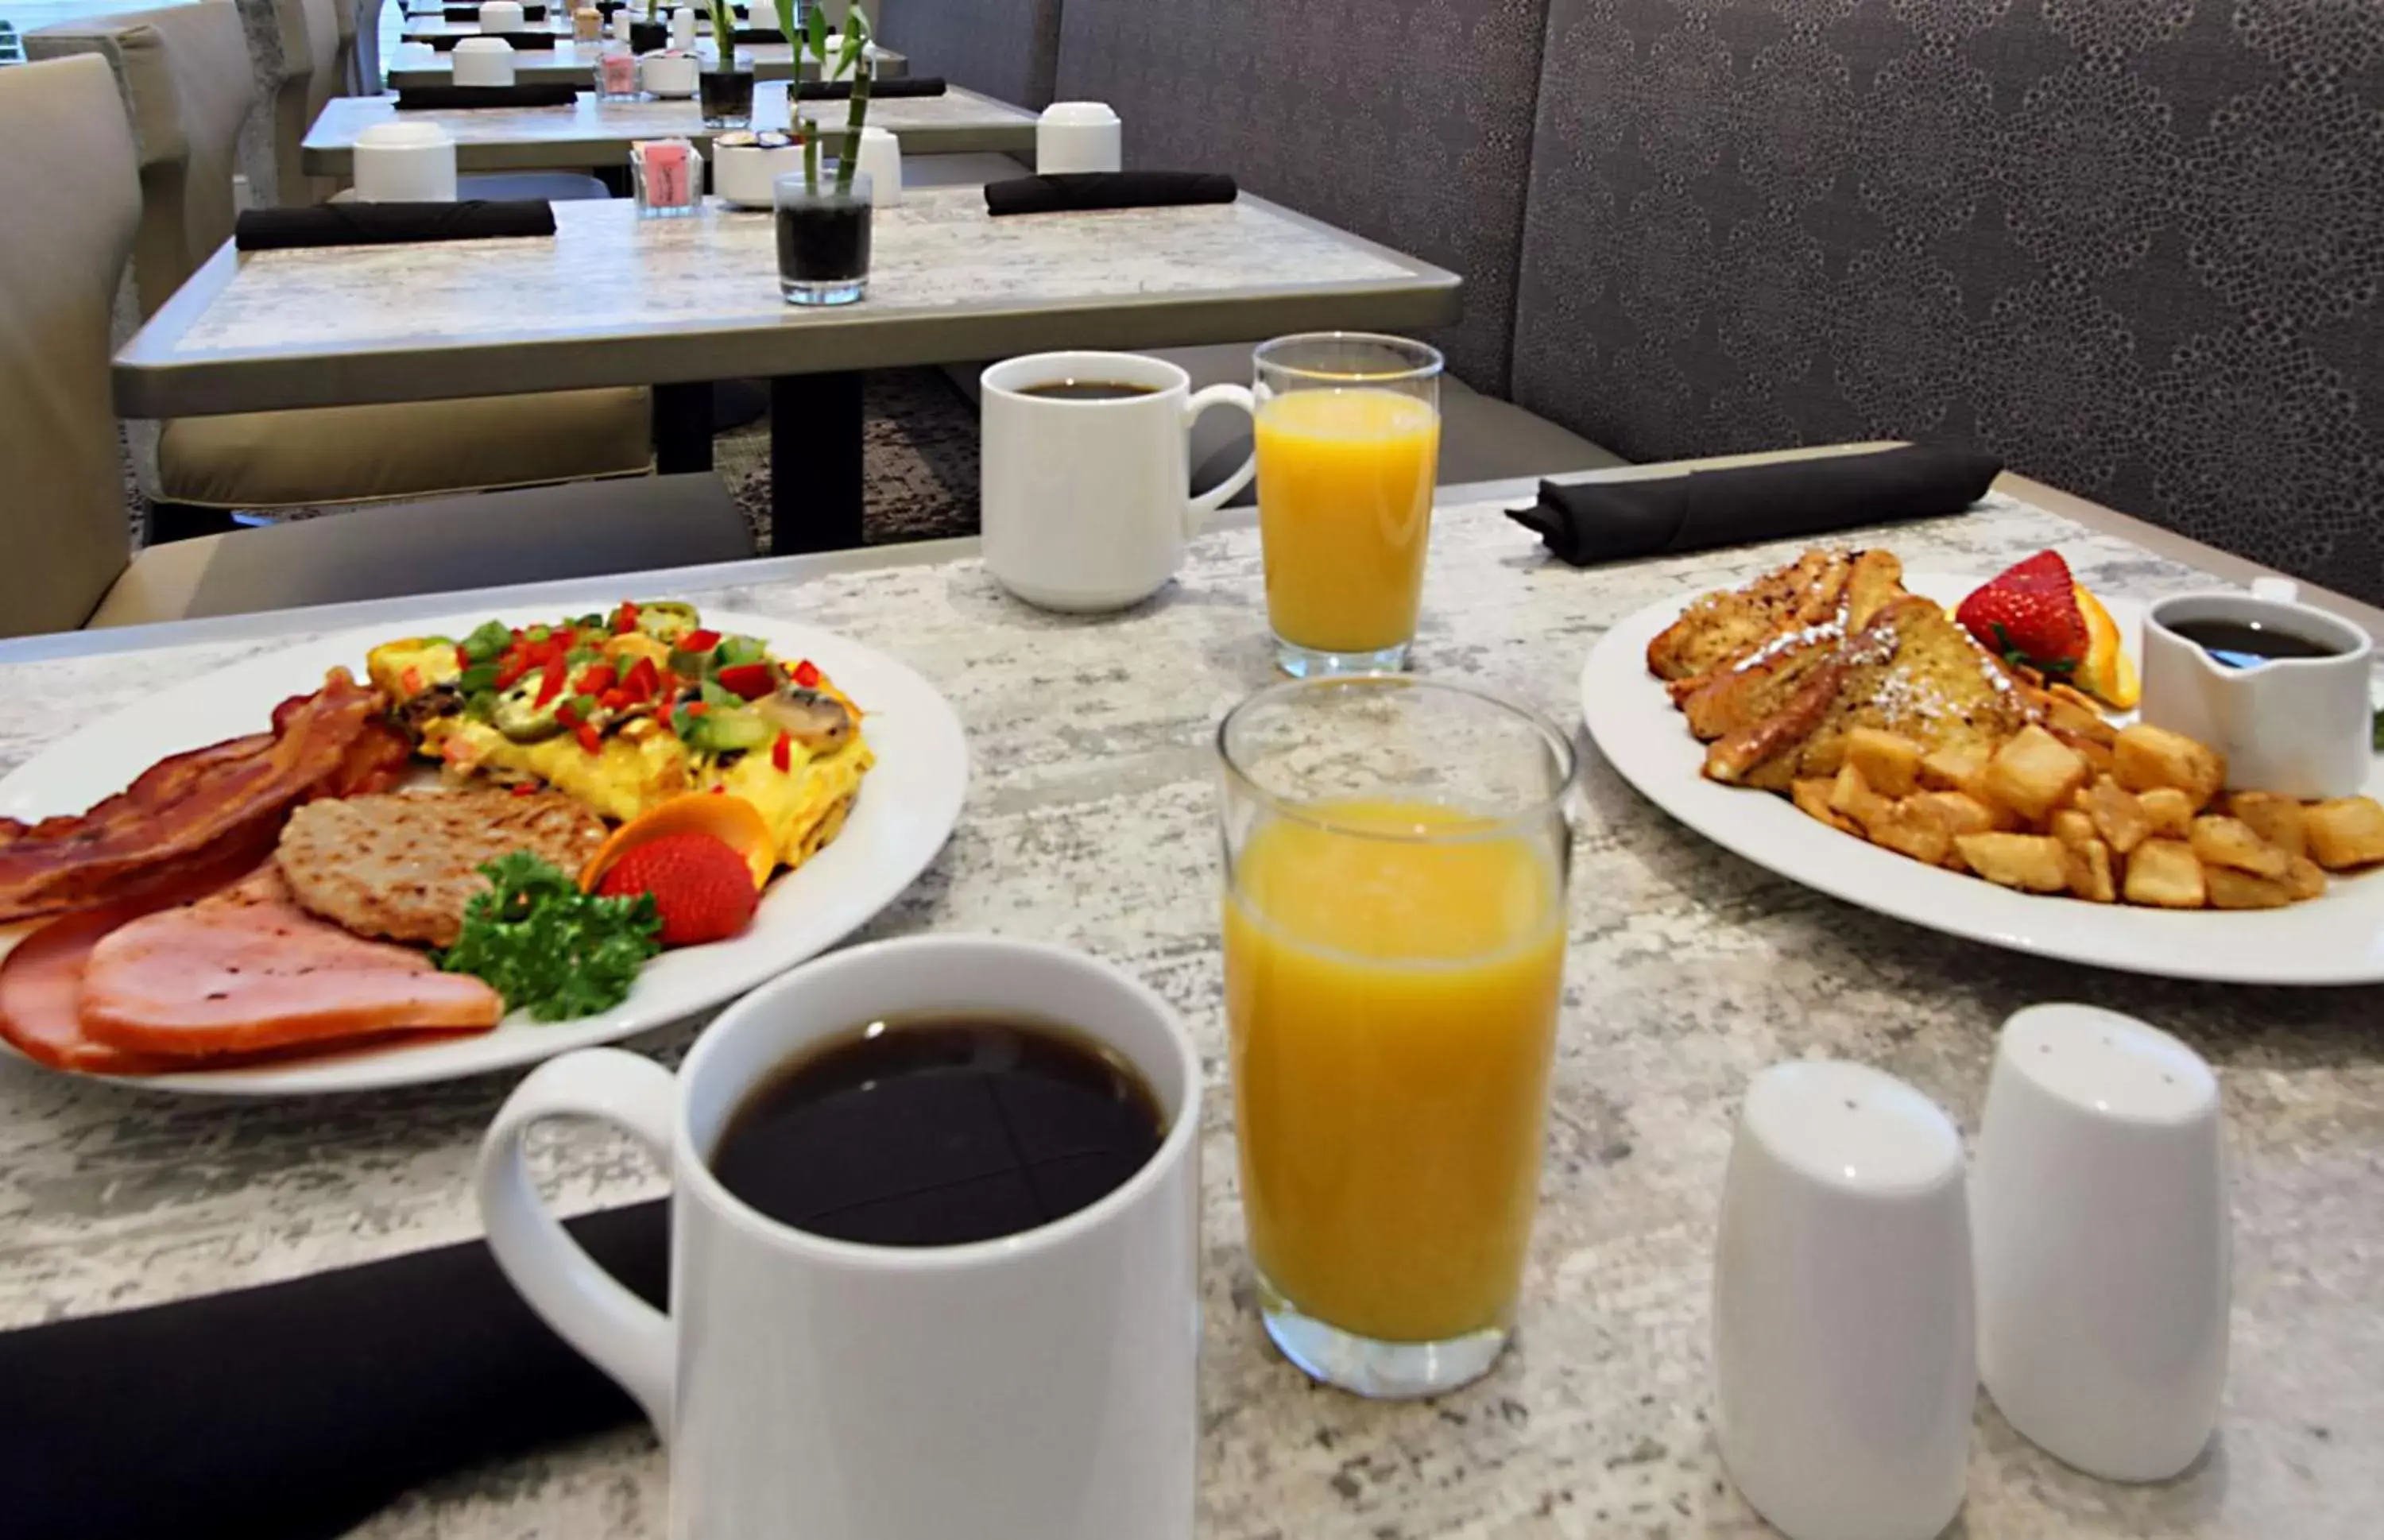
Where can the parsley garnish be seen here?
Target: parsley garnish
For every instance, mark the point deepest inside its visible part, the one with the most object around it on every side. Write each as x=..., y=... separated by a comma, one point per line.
x=548, y=948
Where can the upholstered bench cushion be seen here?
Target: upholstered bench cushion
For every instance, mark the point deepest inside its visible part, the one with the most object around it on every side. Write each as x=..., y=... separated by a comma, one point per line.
x=359, y=454
x=537, y=535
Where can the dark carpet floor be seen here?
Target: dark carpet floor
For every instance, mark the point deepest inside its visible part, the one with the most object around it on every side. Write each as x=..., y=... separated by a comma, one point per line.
x=920, y=470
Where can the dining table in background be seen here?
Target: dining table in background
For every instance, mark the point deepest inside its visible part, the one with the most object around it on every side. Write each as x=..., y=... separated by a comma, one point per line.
x=593, y=132
x=427, y=27
x=1090, y=823
x=611, y=299
x=574, y=64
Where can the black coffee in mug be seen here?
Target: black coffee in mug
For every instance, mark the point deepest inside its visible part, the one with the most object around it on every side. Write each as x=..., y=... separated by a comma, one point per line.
x=938, y=1131
x=1088, y=389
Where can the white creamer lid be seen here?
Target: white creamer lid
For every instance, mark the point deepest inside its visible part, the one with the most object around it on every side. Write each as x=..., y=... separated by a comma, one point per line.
x=1080, y=114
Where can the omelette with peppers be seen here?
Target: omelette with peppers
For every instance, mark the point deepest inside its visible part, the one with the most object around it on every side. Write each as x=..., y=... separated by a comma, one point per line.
x=624, y=712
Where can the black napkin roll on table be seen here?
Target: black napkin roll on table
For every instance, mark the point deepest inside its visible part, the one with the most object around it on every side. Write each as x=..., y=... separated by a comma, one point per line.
x=841, y=91
x=472, y=13
x=1585, y=523
x=1085, y=190
x=534, y=42
x=294, y=1411
x=264, y=230
x=760, y=34
x=448, y=98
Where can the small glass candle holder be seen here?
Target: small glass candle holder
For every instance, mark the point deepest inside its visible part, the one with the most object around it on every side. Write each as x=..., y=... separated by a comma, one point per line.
x=667, y=176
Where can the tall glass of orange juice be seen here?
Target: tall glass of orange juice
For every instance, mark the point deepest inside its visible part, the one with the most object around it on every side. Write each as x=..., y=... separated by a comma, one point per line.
x=1348, y=448
x=1396, y=855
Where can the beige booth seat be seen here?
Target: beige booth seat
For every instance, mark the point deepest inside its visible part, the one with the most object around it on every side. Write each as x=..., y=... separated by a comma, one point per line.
x=182, y=70
x=63, y=249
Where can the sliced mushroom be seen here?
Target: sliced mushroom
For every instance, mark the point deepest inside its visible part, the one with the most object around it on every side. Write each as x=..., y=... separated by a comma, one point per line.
x=819, y=722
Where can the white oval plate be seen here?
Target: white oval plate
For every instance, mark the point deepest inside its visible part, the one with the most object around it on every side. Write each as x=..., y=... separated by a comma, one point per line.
x=2335, y=939
x=909, y=803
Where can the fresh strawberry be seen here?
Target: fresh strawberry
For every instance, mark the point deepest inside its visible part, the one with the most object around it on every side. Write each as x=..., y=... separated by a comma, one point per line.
x=2030, y=615
x=702, y=888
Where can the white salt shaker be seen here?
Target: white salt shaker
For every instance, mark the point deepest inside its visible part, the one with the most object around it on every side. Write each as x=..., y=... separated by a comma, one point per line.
x=881, y=158
x=484, y=61
x=1078, y=136
x=2099, y=1223
x=502, y=16
x=397, y=163
x=1845, y=1350
x=682, y=29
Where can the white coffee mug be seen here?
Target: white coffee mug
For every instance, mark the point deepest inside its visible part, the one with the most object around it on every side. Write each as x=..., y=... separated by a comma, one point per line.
x=1078, y=136
x=1086, y=503
x=404, y=163
x=1040, y=1387
x=484, y=61
x=2298, y=726
x=670, y=75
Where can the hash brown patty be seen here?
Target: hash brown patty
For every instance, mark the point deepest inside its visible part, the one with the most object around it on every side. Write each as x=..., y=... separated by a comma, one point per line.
x=403, y=864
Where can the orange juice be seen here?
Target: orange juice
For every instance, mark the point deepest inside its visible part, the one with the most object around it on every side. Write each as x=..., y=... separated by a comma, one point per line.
x=1345, y=504
x=1392, y=1012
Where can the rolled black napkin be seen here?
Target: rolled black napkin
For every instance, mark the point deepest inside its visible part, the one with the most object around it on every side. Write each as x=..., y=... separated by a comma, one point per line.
x=540, y=43
x=1615, y=521
x=265, y=229
x=762, y=35
x=841, y=91
x=448, y=98
x=1081, y=190
x=294, y=1411
x=472, y=13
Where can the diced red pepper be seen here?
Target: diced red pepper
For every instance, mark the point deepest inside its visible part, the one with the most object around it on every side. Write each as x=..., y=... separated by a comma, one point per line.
x=625, y=619
x=526, y=789
x=411, y=681
x=698, y=641
x=564, y=714
x=613, y=699
x=552, y=685
x=782, y=753
x=643, y=679
x=751, y=680
x=463, y=659
x=697, y=708
x=586, y=733
x=596, y=678
x=807, y=673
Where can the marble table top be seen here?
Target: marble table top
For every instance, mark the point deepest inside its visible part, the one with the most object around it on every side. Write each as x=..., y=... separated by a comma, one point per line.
x=1089, y=823
x=593, y=133
x=420, y=64
x=613, y=299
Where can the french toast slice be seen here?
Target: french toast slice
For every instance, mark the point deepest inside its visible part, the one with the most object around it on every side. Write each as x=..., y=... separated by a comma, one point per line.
x=1747, y=688
x=1911, y=671
x=1731, y=623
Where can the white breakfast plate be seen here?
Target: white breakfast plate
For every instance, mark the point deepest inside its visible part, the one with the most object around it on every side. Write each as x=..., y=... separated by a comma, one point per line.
x=2335, y=939
x=908, y=805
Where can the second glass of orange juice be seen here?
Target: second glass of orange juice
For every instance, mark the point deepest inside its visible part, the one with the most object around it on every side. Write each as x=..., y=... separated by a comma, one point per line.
x=1348, y=450
x=1394, y=935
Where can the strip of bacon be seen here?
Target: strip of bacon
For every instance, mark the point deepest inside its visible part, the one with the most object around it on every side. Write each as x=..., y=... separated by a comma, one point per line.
x=184, y=805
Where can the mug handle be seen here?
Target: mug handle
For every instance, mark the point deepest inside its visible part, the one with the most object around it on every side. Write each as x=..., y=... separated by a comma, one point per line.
x=616, y=1330
x=1197, y=514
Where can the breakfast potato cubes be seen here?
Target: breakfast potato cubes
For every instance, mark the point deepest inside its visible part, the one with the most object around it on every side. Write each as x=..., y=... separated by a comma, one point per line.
x=2146, y=758
x=2034, y=773
x=2346, y=832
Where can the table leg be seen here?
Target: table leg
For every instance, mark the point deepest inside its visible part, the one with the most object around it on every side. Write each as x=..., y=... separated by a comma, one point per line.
x=683, y=428
x=815, y=453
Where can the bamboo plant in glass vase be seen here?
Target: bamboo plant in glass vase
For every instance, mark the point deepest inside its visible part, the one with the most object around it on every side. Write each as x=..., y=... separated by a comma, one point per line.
x=824, y=214
x=724, y=91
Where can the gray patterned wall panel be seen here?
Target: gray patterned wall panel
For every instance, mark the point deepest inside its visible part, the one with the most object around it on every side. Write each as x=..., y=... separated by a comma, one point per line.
x=2135, y=247
x=1409, y=121
x=1007, y=49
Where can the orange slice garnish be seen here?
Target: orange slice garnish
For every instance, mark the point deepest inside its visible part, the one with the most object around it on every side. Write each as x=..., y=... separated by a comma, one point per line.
x=732, y=820
x=2107, y=674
